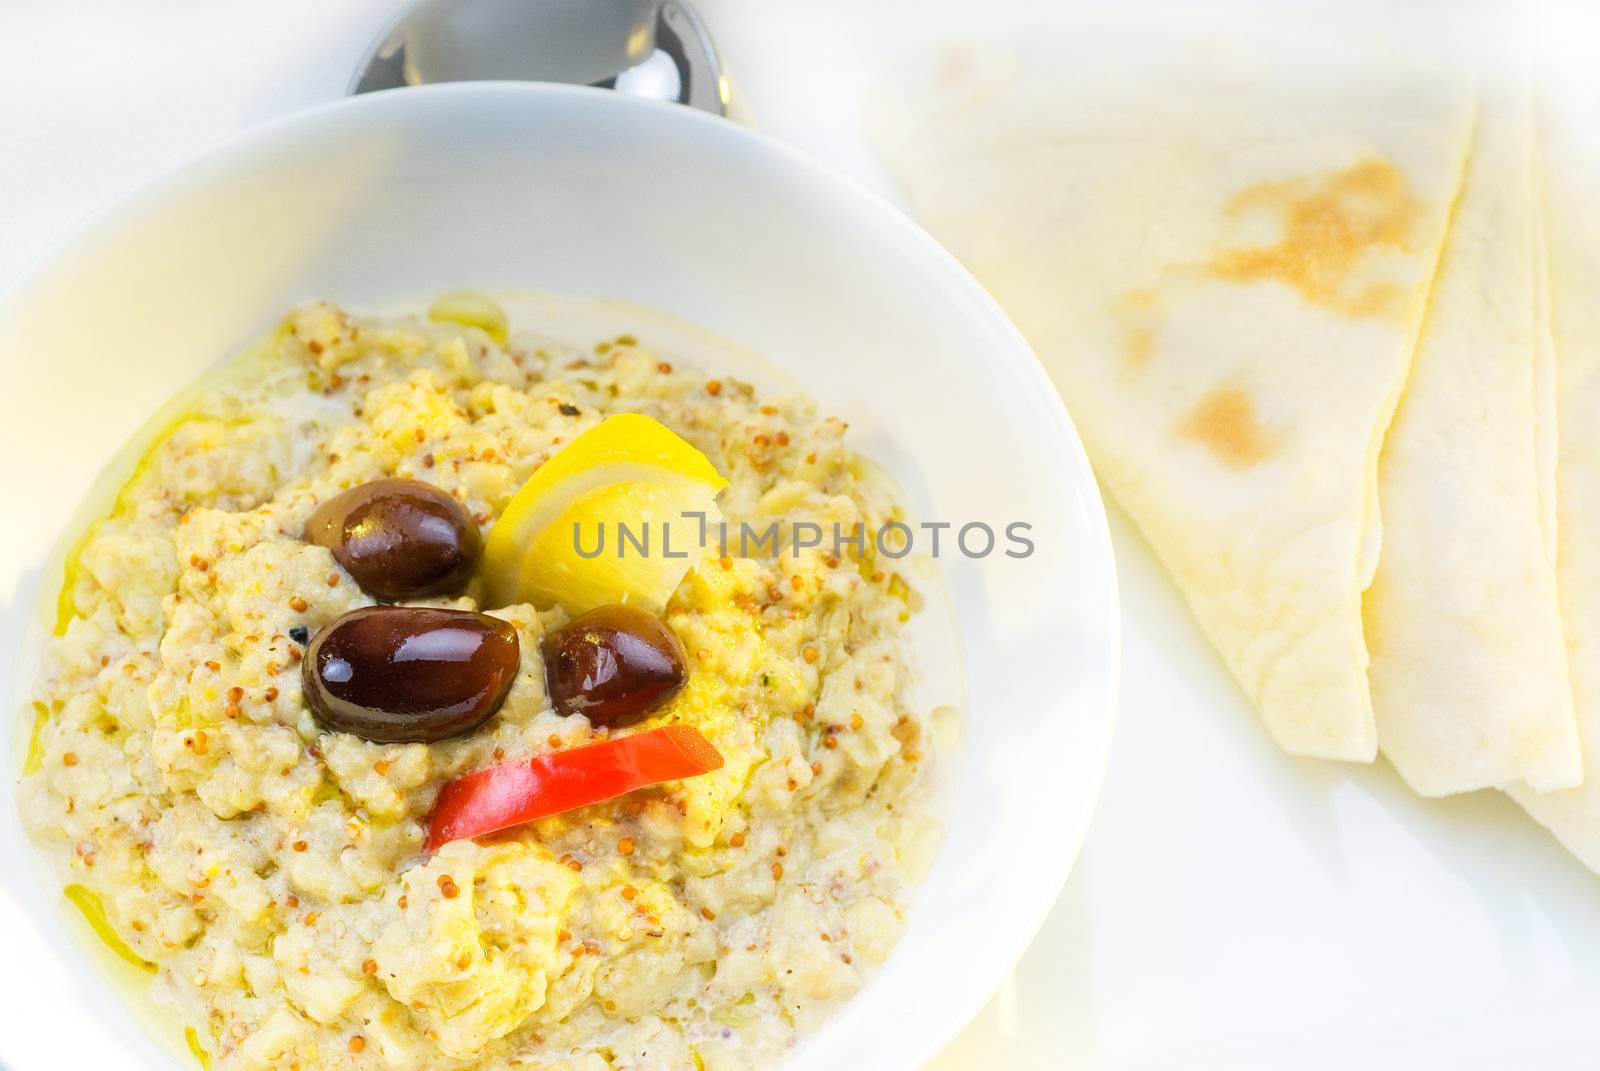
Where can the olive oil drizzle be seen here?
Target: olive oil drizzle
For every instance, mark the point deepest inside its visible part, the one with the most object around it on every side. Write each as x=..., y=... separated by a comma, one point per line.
x=191, y=1038
x=94, y=912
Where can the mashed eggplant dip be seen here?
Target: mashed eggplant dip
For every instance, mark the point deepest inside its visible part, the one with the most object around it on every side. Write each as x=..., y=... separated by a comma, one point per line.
x=347, y=736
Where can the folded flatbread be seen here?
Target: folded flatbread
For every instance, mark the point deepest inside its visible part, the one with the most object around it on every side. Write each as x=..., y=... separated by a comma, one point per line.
x=1469, y=667
x=1222, y=252
x=1571, y=165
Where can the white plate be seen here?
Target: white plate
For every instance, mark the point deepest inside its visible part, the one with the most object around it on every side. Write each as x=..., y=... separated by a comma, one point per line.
x=561, y=190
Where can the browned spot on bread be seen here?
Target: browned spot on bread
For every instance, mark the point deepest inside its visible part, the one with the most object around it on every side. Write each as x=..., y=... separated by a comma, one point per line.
x=1137, y=346
x=1138, y=313
x=1139, y=300
x=1225, y=423
x=1376, y=299
x=1329, y=226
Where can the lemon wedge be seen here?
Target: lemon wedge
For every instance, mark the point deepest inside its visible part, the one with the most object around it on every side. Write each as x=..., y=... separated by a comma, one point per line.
x=616, y=516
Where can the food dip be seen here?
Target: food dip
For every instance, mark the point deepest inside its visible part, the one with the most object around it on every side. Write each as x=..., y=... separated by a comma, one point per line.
x=273, y=874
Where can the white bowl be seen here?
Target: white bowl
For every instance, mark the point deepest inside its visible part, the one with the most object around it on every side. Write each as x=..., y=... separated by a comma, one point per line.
x=398, y=195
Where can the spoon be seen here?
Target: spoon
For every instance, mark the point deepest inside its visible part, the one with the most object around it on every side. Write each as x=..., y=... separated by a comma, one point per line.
x=648, y=48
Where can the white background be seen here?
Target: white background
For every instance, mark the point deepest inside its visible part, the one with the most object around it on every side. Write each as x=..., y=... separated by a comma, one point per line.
x=1233, y=907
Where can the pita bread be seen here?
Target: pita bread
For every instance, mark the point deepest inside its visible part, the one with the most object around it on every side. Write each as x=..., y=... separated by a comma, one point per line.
x=1469, y=668
x=1572, y=170
x=1222, y=253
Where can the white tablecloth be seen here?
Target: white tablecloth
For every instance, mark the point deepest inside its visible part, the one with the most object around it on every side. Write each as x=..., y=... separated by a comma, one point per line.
x=1233, y=908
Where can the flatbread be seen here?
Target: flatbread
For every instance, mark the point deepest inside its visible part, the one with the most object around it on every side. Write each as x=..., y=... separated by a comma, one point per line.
x=1469, y=668
x=1221, y=250
x=1572, y=169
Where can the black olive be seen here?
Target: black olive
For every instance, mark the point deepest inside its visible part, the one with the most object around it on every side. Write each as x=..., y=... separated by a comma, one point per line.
x=399, y=538
x=402, y=674
x=614, y=665
x=299, y=634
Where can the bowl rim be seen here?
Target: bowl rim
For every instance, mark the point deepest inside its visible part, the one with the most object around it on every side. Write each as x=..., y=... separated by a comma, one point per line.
x=154, y=185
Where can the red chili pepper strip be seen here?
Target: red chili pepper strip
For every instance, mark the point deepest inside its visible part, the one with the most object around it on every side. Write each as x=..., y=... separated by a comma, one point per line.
x=499, y=797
